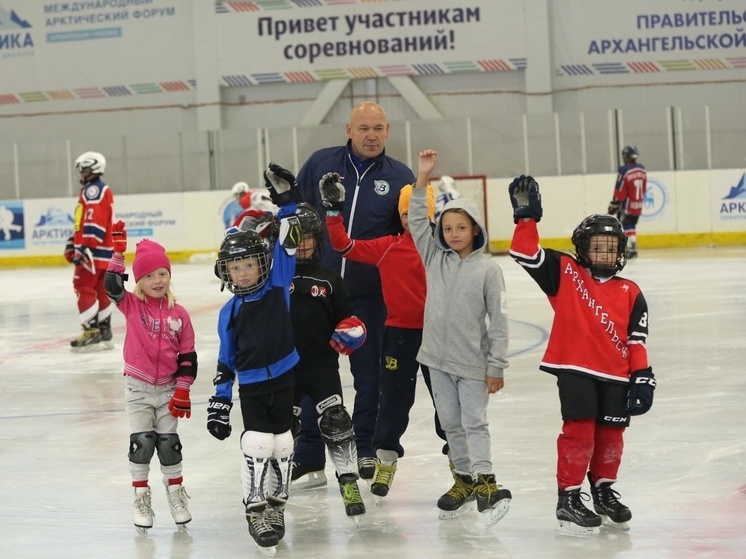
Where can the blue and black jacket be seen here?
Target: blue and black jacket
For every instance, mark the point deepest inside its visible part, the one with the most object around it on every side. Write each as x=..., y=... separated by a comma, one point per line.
x=255, y=330
x=370, y=208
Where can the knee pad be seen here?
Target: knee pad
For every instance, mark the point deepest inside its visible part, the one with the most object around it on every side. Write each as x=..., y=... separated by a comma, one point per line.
x=335, y=423
x=142, y=447
x=257, y=444
x=169, y=449
x=283, y=445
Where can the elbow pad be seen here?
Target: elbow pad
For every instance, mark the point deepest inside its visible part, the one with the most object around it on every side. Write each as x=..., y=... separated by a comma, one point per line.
x=114, y=285
x=187, y=364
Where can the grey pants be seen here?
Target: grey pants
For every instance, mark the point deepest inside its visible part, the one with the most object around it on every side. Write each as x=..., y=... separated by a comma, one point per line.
x=147, y=407
x=462, y=409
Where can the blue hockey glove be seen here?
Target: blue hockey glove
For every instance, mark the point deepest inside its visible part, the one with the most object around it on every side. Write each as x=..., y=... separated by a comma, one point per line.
x=525, y=198
x=640, y=395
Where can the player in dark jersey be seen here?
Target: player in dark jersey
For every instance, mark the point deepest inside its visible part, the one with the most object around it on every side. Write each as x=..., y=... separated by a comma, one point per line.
x=323, y=327
x=596, y=350
x=629, y=193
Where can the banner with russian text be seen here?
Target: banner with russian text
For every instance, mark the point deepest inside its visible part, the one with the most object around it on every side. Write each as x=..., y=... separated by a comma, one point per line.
x=293, y=41
x=644, y=37
x=89, y=49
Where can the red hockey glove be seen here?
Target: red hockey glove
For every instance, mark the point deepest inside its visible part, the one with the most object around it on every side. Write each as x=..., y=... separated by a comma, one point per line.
x=119, y=237
x=348, y=335
x=180, y=405
x=255, y=220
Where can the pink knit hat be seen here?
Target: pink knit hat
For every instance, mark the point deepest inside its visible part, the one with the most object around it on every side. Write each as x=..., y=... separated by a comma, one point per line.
x=149, y=256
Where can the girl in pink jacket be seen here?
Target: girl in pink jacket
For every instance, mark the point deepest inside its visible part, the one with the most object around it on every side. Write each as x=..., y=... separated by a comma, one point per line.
x=160, y=365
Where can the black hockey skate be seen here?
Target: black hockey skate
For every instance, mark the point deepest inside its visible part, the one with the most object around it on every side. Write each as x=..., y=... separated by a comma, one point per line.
x=574, y=517
x=492, y=500
x=366, y=467
x=89, y=341
x=354, y=506
x=264, y=536
x=454, y=501
x=606, y=503
x=307, y=477
x=104, y=327
x=385, y=472
x=274, y=515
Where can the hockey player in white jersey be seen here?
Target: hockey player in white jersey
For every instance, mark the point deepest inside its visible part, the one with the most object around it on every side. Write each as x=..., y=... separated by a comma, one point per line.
x=448, y=192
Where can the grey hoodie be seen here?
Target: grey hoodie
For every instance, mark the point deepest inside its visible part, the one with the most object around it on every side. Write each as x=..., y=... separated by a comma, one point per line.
x=466, y=317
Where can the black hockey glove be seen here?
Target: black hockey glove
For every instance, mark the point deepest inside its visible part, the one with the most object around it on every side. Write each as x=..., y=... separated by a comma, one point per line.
x=525, y=198
x=281, y=185
x=640, y=395
x=219, y=417
x=332, y=192
x=69, y=250
x=83, y=256
x=614, y=208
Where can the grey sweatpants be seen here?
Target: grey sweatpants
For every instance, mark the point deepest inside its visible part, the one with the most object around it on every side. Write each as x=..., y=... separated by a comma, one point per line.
x=462, y=409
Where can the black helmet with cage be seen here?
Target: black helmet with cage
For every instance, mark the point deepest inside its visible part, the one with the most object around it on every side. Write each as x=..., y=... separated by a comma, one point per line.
x=630, y=152
x=238, y=246
x=310, y=222
x=600, y=224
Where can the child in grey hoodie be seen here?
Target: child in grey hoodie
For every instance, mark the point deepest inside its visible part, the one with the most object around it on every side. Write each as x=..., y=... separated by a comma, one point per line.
x=464, y=341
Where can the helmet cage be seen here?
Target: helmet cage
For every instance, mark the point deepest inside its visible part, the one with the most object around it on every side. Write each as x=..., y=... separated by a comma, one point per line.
x=600, y=224
x=238, y=246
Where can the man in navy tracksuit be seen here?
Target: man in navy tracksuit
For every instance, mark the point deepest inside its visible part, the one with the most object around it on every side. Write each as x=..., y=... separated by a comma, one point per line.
x=372, y=182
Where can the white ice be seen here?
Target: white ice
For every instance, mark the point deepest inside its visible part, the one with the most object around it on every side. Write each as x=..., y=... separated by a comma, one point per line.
x=65, y=487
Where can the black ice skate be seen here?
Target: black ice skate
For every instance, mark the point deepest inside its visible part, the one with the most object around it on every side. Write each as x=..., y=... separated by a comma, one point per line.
x=274, y=515
x=307, y=476
x=354, y=506
x=492, y=500
x=606, y=503
x=264, y=536
x=385, y=471
x=104, y=327
x=574, y=517
x=455, y=501
x=88, y=342
x=366, y=466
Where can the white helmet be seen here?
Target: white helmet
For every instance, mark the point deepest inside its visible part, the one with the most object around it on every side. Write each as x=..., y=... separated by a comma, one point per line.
x=239, y=189
x=260, y=200
x=447, y=184
x=93, y=161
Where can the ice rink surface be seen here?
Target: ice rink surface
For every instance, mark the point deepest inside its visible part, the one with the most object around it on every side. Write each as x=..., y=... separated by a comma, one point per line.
x=66, y=493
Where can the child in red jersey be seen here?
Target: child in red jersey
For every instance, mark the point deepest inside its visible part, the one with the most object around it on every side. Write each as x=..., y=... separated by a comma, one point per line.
x=629, y=196
x=90, y=249
x=596, y=350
